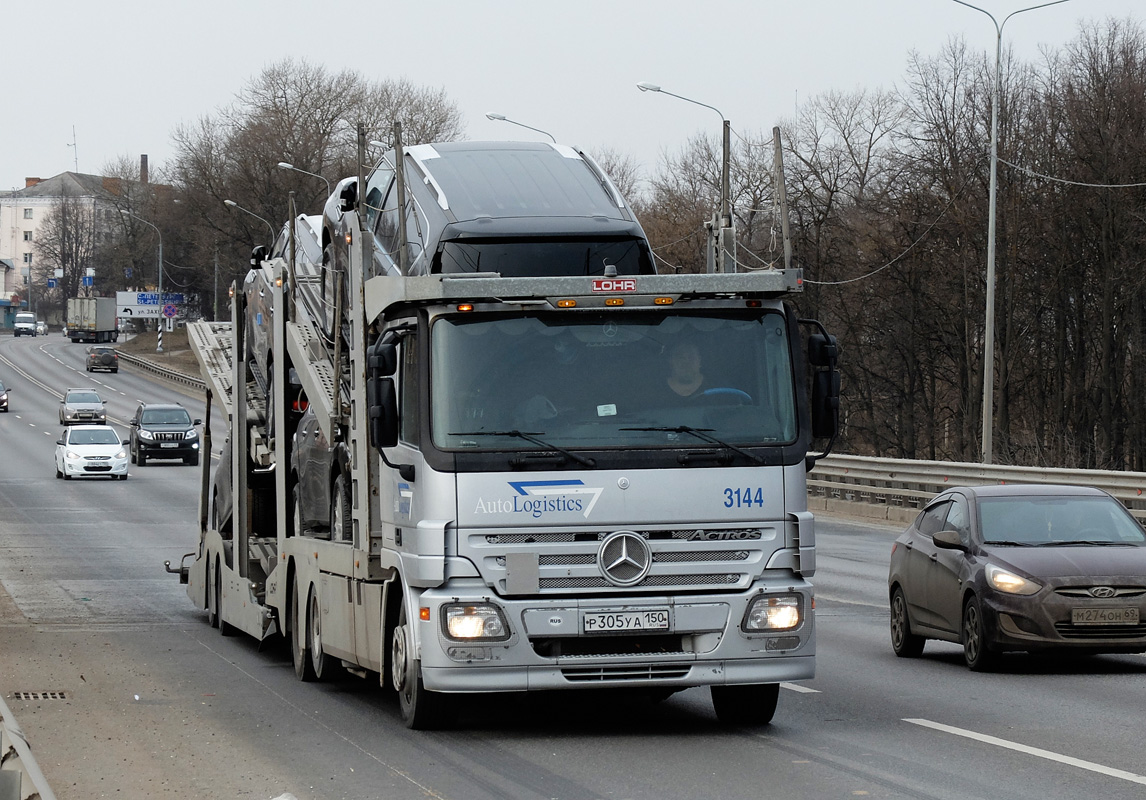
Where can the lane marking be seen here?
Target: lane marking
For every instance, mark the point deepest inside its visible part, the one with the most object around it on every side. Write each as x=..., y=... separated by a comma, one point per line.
x=795, y=687
x=1032, y=751
x=832, y=599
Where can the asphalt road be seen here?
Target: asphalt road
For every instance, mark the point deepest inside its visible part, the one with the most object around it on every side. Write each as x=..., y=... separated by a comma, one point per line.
x=124, y=691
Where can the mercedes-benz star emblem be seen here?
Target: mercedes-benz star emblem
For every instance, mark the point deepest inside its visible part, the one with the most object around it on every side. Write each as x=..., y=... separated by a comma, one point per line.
x=624, y=558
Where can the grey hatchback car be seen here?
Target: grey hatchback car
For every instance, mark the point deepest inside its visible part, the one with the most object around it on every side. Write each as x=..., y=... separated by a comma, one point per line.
x=1028, y=568
x=82, y=406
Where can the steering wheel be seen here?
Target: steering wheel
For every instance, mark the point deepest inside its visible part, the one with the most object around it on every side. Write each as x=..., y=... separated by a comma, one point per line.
x=727, y=393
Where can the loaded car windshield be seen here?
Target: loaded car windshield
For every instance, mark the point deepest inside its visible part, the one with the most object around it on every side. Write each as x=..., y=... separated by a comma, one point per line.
x=513, y=258
x=1056, y=521
x=612, y=381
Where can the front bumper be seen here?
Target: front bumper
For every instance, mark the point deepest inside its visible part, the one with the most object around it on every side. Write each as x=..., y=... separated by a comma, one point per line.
x=168, y=449
x=548, y=649
x=1043, y=622
x=84, y=418
x=93, y=467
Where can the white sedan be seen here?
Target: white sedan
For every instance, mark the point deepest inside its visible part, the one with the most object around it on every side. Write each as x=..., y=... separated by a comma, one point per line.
x=90, y=450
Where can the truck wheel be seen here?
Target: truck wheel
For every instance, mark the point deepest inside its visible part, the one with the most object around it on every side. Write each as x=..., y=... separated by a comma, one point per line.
x=325, y=667
x=748, y=704
x=303, y=668
x=211, y=597
x=224, y=628
x=420, y=708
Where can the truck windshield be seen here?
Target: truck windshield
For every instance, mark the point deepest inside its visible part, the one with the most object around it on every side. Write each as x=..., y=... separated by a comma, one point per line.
x=612, y=381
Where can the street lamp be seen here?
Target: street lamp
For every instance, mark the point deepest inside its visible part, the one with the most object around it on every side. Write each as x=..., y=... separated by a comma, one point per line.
x=285, y=165
x=726, y=159
x=159, y=321
x=502, y=118
x=989, y=332
x=270, y=227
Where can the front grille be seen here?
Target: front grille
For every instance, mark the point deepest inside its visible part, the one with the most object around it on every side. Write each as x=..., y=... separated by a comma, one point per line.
x=1084, y=591
x=590, y=582
x=629, y=672
x=97, y=468
x=1084, y=632
x=176, y=436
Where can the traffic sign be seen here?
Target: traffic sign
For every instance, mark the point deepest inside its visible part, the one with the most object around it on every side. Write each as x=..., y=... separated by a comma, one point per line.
x=170, y=310
x=88, y=280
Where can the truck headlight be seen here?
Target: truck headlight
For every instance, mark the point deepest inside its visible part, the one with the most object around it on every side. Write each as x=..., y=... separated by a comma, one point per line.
x=773, y=613
x=482, y=621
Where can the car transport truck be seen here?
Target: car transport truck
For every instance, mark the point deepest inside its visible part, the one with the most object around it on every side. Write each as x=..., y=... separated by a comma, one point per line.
x=518, y=497
x=92, y=319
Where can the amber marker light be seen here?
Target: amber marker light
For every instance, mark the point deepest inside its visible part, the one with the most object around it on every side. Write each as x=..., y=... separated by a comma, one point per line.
x=752, y=303
x=466, y=307
x=424, y=614
x=662, y=301
x=349, y=238
x=566, y=303
x=614, y=301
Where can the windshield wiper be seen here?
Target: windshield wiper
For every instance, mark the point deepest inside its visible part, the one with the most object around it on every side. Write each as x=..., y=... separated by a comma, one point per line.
x=1006, y=543
x=532, y=437
x=1090, y=543
x=703, y=435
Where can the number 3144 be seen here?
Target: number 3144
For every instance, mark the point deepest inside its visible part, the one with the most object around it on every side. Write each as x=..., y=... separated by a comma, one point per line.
x=743, y=498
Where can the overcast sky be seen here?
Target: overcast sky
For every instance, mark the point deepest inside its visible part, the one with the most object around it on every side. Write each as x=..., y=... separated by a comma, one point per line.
x=125, y=73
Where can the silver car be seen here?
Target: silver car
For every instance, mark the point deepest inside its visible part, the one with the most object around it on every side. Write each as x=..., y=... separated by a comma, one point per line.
x=82, y=407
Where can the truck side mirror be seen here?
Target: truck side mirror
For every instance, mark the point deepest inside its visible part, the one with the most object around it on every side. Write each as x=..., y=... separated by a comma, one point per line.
x=382, y=405
x=258, y=255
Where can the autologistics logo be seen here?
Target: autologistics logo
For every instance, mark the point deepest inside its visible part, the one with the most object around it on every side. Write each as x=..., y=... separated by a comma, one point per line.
x=538, y=498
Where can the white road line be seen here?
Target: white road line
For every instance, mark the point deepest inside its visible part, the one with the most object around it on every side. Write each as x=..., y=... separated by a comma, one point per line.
x=1032, y=751
x=795, y=687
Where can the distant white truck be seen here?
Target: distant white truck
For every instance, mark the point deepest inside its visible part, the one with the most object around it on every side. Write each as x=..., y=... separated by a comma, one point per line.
x=25, y=324
x=92, y=319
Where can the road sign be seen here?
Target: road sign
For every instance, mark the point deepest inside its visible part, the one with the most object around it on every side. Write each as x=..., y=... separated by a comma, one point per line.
x=52, y=283
x=169, y=310
x=88, y=280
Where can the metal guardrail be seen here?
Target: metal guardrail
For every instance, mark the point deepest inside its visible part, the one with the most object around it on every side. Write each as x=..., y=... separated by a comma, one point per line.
x=20, y=776
x=896, y=489
x=162, y=371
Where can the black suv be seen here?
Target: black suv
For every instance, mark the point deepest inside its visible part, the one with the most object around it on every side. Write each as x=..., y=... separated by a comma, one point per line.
x=164, y=430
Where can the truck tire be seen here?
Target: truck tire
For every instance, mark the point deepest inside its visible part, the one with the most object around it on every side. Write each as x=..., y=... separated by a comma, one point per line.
x=224, y=628
x=324, y=666
x=746, y=704
x=211, y=599
x=303, y=668
x=420, y=708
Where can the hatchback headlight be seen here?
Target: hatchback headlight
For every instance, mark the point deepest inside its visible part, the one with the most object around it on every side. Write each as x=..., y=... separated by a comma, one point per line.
x=773, y=613
x=72, y=455
x=121, y=454
x=1009, y=582
x=479, y=622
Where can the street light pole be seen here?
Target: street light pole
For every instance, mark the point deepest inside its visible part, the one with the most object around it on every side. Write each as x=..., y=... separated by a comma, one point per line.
x=723, y=237
x=502, y=118
x=989, y=331
x=270, y=227
x=159, y=320
x=285, y=165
